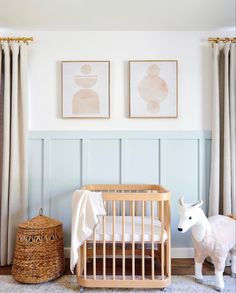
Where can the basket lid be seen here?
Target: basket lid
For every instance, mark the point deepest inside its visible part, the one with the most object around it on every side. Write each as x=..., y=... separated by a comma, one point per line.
x=40, y=222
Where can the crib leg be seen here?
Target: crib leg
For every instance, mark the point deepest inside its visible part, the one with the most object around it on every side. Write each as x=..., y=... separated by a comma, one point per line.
x=81, y=289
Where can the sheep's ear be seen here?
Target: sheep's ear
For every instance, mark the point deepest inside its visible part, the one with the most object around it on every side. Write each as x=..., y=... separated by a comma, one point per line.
x=181, y=201
x=198, y=204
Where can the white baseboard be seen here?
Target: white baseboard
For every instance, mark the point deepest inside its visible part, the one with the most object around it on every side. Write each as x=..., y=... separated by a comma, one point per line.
x=180, y=252
x=67, y=252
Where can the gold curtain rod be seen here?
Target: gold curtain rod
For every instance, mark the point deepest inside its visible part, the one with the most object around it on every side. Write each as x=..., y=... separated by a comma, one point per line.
x=224, y=40
x=23, y=39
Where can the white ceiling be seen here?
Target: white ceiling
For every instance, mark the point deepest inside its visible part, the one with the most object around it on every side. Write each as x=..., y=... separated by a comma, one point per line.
x=118, y=14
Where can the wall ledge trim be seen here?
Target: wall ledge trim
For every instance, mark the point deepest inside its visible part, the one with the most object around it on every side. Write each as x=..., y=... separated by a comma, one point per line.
x=117, y=134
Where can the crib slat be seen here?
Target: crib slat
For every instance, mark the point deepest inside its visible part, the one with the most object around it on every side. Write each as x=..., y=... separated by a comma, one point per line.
x=104, y=247
x=123, y=239
x=133, y=243
x=94, y=254
x=152, y=233
x=85, y=259
x=162, y=240
x=159, y=210
x=114, y=244
x=143, y=259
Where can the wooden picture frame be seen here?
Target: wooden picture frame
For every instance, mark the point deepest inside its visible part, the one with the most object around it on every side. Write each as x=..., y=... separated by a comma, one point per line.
x=153, y=88
x=85, y=89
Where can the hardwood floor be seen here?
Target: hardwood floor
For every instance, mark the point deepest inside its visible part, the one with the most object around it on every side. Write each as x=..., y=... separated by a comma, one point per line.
x=6, y=270
x=179, y=267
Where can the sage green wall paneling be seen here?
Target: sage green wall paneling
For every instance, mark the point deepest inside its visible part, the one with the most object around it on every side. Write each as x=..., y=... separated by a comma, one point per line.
x=65, y=177
x=35, y=176
x=180, y=173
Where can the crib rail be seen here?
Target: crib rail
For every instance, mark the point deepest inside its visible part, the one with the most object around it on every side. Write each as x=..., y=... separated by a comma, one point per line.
x=148, y=202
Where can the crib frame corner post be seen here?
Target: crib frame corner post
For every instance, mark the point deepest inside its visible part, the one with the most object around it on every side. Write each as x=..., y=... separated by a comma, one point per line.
x=168, y=241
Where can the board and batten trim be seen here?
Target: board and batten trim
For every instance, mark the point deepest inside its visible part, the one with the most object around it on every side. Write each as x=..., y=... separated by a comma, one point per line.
x=61, y=161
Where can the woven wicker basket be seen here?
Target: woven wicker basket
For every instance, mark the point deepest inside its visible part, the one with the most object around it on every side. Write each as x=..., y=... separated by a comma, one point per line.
x=39, y=252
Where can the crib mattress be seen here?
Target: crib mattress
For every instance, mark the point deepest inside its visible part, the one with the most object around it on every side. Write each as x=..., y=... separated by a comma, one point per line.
x=128, y=229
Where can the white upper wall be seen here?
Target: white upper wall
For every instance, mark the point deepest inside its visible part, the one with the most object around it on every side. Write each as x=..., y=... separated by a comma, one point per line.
x=117, y=14
x=133, y=29
x=191, y=49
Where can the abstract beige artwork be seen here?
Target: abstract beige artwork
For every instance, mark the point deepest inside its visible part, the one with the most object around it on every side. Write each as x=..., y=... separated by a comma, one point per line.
x=153, y=89
x=86, y=89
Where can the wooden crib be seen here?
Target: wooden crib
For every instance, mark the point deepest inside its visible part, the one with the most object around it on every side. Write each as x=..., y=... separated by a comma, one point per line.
x=121, y=253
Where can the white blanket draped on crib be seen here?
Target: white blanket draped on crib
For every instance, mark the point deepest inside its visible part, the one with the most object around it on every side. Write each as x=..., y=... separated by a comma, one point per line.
x=86, y=207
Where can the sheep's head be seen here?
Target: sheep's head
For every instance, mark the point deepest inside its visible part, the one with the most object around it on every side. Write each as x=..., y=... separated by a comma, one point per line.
x=189, y=214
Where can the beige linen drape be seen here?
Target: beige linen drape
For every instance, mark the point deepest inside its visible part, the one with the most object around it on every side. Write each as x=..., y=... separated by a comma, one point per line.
x=222, y=195
x=13, y=145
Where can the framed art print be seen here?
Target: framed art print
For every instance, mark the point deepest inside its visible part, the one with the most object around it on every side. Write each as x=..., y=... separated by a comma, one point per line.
x=85, y=89
x=153, y=89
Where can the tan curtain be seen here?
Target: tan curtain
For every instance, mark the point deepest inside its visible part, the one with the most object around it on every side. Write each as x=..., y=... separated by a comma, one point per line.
x=222, y=195
x=13, y=145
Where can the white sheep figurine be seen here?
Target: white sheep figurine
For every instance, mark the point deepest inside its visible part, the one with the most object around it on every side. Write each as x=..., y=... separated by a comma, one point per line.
x=212, y=237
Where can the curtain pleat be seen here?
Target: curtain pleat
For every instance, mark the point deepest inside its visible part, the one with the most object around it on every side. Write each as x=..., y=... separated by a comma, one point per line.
x=214, y=193
x=226, y=138
x=14, y=193
x=222, y=180
x=5, y=156
x=232, y=102
x=1, y=134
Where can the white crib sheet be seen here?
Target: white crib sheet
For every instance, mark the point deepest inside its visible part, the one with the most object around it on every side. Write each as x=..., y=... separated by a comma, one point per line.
x=128, y=229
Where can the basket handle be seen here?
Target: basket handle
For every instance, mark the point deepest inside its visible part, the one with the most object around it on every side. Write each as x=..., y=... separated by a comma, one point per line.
x=41, y=211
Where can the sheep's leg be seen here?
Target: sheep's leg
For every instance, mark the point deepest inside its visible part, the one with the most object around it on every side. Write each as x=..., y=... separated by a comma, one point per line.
x=198, y=272
x=219, y=282
x=199, y=259
x=233, y=262
x=219, y=263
